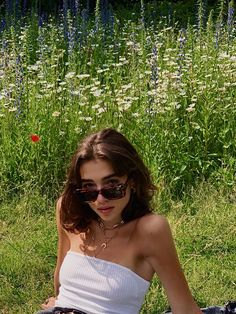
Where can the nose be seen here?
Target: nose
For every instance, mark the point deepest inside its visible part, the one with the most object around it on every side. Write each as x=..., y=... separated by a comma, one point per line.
x=101, y=198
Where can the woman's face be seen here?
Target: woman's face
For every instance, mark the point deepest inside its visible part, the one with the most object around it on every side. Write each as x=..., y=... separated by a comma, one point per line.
x=98, y=174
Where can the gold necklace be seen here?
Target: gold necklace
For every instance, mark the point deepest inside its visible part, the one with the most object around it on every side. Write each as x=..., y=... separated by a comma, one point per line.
x=107, y=239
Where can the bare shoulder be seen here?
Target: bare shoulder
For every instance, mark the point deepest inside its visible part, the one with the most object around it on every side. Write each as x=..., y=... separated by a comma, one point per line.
x=153, y=234
x=152, y=224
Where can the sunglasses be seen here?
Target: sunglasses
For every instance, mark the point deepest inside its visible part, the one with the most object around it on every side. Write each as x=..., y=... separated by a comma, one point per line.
x=111, y=193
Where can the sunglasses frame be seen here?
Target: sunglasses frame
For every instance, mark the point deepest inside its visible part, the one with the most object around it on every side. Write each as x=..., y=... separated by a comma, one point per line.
x=122, y=187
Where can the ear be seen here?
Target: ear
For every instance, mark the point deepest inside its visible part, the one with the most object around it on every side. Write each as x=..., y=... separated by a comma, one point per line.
x=132, y=186
x=133, y=189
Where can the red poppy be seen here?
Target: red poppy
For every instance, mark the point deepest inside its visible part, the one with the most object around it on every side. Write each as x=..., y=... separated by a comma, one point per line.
x=34, y=138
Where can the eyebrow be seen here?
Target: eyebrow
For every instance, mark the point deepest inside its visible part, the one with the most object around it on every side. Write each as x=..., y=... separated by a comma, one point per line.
x=103, y=179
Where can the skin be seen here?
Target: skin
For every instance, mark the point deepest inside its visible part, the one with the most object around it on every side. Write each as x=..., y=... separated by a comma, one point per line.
x=144, y=245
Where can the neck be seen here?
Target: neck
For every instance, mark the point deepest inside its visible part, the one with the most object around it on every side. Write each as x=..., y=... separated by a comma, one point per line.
x=105, y=226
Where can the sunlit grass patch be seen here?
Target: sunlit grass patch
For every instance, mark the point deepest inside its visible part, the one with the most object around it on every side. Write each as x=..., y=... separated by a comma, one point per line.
x=205, y=236
x=205, y=239
x=28, y=255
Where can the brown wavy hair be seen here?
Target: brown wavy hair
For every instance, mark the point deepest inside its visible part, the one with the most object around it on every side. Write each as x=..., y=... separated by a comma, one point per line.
x=107, y=144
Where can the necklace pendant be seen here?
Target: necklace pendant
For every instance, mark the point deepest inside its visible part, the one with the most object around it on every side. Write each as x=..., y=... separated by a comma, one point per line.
x=104, y=245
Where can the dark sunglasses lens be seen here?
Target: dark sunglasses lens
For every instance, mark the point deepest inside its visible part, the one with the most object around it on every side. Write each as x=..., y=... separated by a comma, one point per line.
x=87, y=196
x=114, y=192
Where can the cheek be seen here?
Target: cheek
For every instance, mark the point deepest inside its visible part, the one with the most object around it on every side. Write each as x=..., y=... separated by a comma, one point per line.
x=124, y=201
x=92, y=206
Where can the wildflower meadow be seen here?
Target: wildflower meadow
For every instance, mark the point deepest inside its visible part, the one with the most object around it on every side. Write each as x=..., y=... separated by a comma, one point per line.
x=169, y=86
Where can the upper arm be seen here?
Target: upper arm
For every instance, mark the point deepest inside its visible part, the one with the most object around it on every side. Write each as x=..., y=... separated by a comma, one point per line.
x=62, y=247
x=162, y=256
x=63, y=240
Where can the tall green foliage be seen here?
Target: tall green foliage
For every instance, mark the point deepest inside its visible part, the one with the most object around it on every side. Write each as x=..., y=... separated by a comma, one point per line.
x=170, y=90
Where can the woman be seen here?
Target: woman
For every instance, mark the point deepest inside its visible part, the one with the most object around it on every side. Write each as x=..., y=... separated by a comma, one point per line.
x=110, y=243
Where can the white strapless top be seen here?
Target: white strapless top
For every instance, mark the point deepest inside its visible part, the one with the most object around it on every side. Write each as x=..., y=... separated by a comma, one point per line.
x=96, y=286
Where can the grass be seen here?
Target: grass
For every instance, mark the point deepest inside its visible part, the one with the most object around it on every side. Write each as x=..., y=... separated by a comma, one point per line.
x=203, y=228
x=28, y=243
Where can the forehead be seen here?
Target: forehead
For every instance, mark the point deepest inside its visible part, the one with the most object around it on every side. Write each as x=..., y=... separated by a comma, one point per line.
x=96, y=169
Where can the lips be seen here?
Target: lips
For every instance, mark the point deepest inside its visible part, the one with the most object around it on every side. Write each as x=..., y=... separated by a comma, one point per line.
x=105, y=210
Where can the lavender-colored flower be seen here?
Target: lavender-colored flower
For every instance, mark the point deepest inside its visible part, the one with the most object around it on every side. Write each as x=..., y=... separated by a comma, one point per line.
x=40, y=21
x=65, y=8
x=84, y=24
x=17, y=11
x=19, y=85
x=217, y=35
x=65, y=24
x=151, y=111
x=9, y=6
x=71, y=39
x=76, y=7
x=2, y=25
x=230, y=19
x=85, y=15
x=181, y=53
x=104, y=12
x=154, y=68
x=24, y=7
x=40, y=41
x=142, y=12
x=72, y=7
x=111, y=19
